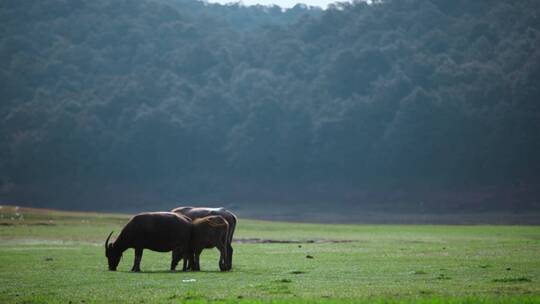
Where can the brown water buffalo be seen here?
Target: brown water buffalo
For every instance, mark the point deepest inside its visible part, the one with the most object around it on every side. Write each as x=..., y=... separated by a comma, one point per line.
x=157, y=231
x=209, y=232
x=200, y=212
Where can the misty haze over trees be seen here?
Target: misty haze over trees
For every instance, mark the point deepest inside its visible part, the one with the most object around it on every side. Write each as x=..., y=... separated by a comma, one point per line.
x=414, y=104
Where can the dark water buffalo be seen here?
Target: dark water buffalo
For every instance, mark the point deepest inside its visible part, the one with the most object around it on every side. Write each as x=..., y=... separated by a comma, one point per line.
x=200, y=212
x=209, y=232
x=157, y=231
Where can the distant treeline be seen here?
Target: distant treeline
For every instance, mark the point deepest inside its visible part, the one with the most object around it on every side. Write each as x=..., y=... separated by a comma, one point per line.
x=121, y=102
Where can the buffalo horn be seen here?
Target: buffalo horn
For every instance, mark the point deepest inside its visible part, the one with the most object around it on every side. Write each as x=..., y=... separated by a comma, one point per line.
x=107, y=241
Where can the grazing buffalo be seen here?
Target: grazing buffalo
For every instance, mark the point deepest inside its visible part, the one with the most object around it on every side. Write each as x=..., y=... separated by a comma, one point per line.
x=200, y=212
x=157, y=231
x=209, y=232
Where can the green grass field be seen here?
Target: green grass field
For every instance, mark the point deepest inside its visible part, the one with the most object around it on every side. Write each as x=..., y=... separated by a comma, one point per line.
x=51, y=256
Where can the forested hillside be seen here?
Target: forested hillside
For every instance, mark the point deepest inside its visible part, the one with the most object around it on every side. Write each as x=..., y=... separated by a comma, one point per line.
x=128, y=103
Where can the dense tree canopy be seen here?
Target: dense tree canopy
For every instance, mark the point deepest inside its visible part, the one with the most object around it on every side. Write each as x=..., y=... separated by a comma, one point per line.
x=128, y=102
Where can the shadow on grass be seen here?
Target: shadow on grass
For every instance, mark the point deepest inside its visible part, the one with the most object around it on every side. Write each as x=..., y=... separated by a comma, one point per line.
x=168, y=271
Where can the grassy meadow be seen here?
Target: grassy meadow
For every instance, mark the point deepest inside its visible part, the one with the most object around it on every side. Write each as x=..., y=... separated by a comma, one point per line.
x=51, y=256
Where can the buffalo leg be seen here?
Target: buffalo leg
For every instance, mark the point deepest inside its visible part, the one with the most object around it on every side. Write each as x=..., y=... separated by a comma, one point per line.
x=223, y=258
x=176, y=256
x=137, y=262
x=185, y=264
x=196, y=265
x=229, y=256
x=188, y=261
x=230, y=234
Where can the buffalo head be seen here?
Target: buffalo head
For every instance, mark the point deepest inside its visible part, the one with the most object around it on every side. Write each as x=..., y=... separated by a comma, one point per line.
x=113, y=256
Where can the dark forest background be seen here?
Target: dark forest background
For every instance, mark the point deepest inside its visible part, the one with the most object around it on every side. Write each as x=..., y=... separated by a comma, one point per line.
x=401, y=105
